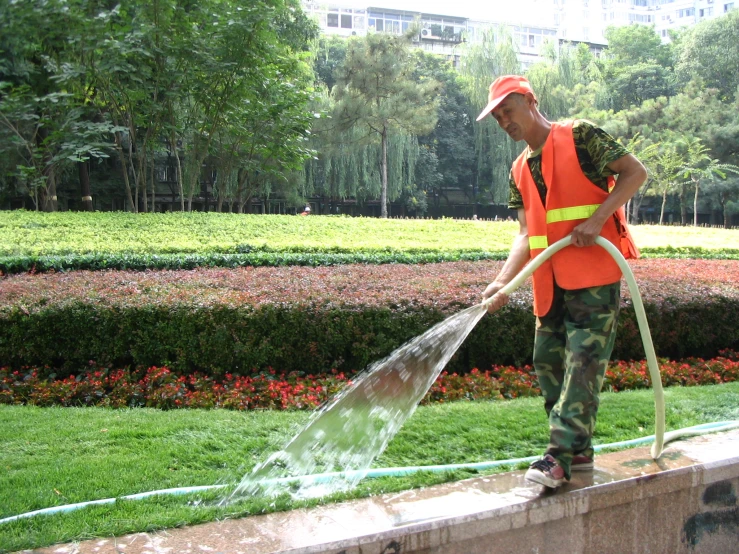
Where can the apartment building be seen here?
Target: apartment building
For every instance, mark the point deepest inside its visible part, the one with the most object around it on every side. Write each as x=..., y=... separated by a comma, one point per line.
x=531, y=23
x=439, y=34
x=588, y=19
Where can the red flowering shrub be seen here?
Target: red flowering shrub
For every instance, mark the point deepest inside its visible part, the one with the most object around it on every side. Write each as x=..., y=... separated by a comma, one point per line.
x=242, y=321
x=159, y=387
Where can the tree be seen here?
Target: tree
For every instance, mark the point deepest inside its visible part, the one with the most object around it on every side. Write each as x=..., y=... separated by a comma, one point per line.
x=45, y=127
x=494, y=55
x=124, y=77
x=632, y=44
x=330, y=54
x=375, y=92
x=708, y=51
x=448, y=152
x=638, y=66
x=665, y=164
x=701, y=168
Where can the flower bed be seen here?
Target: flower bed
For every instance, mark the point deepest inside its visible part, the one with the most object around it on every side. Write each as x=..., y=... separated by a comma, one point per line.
x=159, y=387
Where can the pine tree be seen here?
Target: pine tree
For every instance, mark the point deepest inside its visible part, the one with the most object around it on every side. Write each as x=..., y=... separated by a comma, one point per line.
x=376, y=94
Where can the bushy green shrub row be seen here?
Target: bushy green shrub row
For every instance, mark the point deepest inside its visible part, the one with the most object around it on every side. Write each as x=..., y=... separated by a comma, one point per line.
x=263, y=257
x=140, y=262
x=690, y=252
x=313, y=339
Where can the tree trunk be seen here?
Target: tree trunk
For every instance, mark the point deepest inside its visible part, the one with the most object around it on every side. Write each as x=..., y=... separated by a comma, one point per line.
x=662, y=211
x=131, y=139
x=727, y=215
x=85, y=186
x=383, y=170
x=683, y=207
x=48, y=198
x=153, y=186
x=695, y=204
x=124, y=167
x=173, y=145
x=142, y=172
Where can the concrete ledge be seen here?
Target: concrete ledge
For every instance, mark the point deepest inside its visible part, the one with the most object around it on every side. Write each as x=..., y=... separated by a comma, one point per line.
x=686, y=502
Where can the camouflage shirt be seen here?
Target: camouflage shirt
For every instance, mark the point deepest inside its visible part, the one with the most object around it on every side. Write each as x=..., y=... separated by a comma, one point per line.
x=595, y=150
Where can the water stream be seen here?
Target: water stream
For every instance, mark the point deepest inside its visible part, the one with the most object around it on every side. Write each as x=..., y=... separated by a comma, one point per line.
x=344, y=436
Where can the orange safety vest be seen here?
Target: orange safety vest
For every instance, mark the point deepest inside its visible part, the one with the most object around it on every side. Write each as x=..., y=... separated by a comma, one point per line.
x=571, y=199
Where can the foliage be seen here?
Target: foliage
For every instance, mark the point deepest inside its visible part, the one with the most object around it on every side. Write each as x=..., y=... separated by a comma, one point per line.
x=207, y=79
x=61, y=242
x=377, y=96
x=311, y=319
x=495, y=54
x=708, y=49
x=27, y=233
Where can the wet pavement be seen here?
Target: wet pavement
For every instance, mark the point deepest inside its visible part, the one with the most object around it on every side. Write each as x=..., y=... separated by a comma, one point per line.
x=345, y=527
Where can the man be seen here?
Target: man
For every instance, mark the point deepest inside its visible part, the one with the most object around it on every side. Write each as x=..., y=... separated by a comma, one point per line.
x=563, y=183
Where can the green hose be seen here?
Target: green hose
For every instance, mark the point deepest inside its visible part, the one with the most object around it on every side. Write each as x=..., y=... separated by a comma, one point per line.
x=659, y=395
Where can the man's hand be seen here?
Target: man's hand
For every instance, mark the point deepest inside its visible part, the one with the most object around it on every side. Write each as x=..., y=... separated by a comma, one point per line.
x=498, y=299
x=586, y=233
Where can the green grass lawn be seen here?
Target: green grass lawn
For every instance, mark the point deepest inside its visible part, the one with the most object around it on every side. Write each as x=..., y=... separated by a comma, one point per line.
x=57, y=456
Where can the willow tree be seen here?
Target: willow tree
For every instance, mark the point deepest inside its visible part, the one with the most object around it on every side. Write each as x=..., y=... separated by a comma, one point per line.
x=377, y=96
x=347, y=167
x=481, y=63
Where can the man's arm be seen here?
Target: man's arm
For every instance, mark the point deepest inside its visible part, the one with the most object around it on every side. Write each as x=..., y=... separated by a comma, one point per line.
x=631, y=175
x=517, y=259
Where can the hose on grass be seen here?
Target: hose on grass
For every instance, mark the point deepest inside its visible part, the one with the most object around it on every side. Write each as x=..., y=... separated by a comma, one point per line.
x=702, y=429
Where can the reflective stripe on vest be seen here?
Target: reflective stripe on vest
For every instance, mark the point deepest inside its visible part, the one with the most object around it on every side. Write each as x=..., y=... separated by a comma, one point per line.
x=538, y=242
x=568, y=214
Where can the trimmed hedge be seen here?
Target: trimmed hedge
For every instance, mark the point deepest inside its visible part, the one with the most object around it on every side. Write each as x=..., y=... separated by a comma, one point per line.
x=141, y=262
x=313, y=339
x=316, y=319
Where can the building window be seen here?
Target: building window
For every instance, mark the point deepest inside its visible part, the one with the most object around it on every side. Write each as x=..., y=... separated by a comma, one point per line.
x=332, y=20
x=346, y=21
x=728, y=7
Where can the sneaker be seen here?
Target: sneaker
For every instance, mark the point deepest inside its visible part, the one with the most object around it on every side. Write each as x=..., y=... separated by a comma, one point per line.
x=546, y=472
x=581, y=463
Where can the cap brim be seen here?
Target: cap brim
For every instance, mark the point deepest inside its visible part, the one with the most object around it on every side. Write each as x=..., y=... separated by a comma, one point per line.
x=489, y=108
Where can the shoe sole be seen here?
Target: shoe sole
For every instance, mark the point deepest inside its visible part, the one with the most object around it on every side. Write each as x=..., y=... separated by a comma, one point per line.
x=541, y=479
x=582, y=467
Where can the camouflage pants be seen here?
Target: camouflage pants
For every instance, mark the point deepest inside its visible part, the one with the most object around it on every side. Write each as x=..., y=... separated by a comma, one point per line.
x=572, y=348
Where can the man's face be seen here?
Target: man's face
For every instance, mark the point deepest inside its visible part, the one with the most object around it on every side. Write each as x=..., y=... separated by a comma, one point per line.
x=514, y=116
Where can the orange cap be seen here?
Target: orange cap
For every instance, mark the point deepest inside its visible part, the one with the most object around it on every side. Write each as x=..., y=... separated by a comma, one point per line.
x=502, y=87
